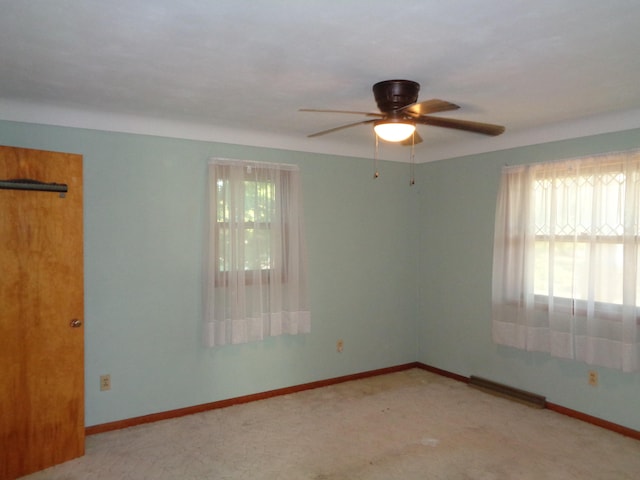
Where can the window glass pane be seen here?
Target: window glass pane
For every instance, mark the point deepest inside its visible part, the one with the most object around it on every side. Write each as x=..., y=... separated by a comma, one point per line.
x=608, y=274
x=259, y=198
x=541, y=271
x=579, y=225
x=223, y=245
x=557, y=262
x=257, y=249
x=610, y=205
x=222, y=209
x=582, y=205
x=258, y=209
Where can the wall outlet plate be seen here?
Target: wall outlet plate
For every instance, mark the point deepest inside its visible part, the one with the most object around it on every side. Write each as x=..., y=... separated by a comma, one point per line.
x=339, y=346
x=105, y=382
x=593, y=378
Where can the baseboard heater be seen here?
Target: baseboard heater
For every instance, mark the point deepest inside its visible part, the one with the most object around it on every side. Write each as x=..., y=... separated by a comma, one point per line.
x=528, y=398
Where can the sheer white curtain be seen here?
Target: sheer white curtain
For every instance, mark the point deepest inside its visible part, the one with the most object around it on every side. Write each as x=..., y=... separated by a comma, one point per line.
x=566, y=263
x=257, y=260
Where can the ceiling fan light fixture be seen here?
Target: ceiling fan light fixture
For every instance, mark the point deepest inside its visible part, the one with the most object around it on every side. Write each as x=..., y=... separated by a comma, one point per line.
x=394, y=130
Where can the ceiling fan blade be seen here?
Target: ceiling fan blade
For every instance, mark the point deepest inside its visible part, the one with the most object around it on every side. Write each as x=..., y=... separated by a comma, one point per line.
x=368, y=114
x=429, y=106
x=477, y=127
x=331, y=130
x=415, y=141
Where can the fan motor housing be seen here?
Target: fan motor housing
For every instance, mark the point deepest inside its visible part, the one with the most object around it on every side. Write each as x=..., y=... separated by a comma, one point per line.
x=392, y=95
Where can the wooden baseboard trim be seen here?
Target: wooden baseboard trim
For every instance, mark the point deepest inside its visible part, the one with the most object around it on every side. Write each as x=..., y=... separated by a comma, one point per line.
x=180, y=412
x=444, y=373
x=614, y=427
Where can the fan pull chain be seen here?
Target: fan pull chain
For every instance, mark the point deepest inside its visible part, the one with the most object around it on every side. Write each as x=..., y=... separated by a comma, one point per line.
x=375, y=158
x=412, y=160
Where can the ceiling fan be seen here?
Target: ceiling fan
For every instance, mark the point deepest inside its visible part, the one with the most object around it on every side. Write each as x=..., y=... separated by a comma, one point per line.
x=400, y=112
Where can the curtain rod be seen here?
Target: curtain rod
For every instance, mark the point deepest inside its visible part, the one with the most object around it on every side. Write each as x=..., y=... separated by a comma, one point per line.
x=33, y=185
x=233, y=161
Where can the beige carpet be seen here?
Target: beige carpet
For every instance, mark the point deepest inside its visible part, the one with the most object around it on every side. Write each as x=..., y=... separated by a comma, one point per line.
x=406, y=425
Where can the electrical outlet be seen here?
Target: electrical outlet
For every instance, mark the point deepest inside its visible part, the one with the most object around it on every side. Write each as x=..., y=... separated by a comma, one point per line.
x=105, y=382
x=339, y=346
x=593, y=378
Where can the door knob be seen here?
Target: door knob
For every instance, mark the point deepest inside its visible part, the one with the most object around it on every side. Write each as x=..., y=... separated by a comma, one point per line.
x=75, y=323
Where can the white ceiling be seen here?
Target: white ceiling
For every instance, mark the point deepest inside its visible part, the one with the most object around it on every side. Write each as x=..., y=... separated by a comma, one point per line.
x=237, y=71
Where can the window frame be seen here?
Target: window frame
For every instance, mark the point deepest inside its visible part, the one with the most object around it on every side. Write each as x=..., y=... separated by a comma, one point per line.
x=250, y=276
x=610, y=311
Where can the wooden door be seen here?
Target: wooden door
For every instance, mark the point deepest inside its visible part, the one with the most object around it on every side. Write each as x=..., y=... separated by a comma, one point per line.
x=41, y=313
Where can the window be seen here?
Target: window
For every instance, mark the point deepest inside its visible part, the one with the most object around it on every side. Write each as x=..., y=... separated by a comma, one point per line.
x=257, y=272
x=576, y=216
x=566, y=273
x=255, y=212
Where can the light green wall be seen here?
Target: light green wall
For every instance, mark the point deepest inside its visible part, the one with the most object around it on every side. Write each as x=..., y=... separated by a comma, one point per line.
x=400, y=273
x=457, y=205
x=144, y=201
